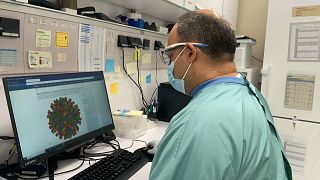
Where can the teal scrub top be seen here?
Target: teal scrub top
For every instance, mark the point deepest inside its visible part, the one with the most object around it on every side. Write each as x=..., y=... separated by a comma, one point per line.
x=225, y=132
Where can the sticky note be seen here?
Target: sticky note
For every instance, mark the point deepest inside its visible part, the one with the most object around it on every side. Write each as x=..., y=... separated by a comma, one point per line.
x=117, y=69
x=109, y=65
x=142, y=79
x=137, y=54
x=148, y=79
x=110, y=47
x=135, y=113
x=62, y=57
x=43, y=38
x=62, y=39
x=131, y=67
x=113, y=88
x=146, y=58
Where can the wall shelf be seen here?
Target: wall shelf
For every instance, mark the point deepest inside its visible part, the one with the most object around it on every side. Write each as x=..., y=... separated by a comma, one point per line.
x=162, y=9
x=38, y=10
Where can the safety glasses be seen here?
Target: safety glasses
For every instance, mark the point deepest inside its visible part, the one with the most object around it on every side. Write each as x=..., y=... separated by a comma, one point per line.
x=165, y=53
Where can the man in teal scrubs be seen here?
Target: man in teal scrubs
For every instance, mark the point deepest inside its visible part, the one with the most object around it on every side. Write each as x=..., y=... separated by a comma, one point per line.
x=226, y=131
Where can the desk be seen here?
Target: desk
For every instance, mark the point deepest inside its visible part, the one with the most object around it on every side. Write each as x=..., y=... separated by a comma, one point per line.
x=152, y=134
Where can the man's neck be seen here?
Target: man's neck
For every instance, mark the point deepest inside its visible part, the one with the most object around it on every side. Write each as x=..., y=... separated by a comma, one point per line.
x=224, y=70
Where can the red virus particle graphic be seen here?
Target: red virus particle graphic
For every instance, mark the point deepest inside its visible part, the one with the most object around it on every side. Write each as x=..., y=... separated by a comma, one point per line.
x=64, y=118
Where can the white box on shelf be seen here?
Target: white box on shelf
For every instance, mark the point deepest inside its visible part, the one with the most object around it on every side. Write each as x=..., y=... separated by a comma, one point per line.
x=242, y=57
x=162, y=30
x=69, y=11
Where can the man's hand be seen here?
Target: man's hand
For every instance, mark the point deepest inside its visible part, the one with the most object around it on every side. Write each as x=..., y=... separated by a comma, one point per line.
x=152, y=146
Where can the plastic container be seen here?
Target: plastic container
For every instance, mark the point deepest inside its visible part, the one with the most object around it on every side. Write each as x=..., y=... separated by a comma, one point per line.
x=130, y=127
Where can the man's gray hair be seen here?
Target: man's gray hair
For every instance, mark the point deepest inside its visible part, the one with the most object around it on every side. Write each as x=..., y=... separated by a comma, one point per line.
x=211, y=30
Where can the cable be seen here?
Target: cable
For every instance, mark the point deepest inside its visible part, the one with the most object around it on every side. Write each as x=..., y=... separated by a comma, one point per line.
x=85, y=157
x=56, y=174
x=106, y=153
x=257, y=59
x=145, y=104
x=118, y=144
x=156, y=78
x=153, y=95
x=138, y=70
x=5, y=138
x=136, y=141
x=11, y=153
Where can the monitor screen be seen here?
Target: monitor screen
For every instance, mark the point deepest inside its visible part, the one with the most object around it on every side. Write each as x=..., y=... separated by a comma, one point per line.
x=52, y=113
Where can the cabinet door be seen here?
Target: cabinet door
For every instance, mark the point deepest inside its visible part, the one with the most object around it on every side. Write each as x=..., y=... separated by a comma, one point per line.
x=202, y=3
x=215, y=5
x=190, y=4
x=230, y=12
x=228, y=9
x=177, y=2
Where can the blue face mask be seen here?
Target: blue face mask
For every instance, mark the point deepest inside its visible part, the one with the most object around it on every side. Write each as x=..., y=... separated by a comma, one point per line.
x=177, y=84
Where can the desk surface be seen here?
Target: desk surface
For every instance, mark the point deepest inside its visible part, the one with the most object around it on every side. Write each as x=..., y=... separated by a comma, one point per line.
x=152, y=134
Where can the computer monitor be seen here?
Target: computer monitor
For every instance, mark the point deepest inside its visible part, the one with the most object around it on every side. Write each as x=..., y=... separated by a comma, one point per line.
x=53, y=113
x=170, y=101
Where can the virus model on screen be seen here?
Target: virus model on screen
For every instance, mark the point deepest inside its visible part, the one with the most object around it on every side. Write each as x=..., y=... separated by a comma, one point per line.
x=64, y=118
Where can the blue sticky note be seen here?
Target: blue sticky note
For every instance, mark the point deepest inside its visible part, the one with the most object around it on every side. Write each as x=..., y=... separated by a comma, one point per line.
x=148, y=79
x=109, y=65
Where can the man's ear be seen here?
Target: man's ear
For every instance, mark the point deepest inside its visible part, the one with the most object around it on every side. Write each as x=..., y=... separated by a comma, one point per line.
x=191, y=52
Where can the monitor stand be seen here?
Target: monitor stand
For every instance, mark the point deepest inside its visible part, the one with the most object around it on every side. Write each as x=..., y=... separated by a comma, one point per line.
x=52, y=162
x=52, y=166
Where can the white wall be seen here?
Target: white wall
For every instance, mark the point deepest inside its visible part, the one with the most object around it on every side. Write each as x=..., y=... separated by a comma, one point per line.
x=252, y=21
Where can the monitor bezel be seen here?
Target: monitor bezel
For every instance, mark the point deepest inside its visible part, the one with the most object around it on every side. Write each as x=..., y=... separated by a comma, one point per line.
x=67, y=145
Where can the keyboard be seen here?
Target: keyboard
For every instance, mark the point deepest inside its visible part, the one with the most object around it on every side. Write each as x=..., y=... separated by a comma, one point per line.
x=121, y=164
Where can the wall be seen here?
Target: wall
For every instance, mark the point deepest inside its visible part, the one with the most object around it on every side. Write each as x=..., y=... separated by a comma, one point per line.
x=252, y=21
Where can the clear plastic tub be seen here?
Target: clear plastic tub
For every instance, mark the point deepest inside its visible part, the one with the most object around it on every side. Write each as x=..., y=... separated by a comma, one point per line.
x=130, y=127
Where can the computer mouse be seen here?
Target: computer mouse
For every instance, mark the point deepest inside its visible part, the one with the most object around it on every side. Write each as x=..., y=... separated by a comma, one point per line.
x=144, y=154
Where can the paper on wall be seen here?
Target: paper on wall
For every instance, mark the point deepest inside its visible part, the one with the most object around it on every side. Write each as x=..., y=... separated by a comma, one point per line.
x=38, y=59
x=92, y=47
x=62, y=57
x=146, y=58
x=43, y=38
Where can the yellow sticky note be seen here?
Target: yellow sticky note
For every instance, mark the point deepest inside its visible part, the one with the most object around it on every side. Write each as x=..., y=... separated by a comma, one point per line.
x=62, y=39
x=142, y=79
x=146, y=59
x=135, y=113
x=113, y=88
x=43, y=38
x=137, y=54
x=131, y=67
x=117, y=69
